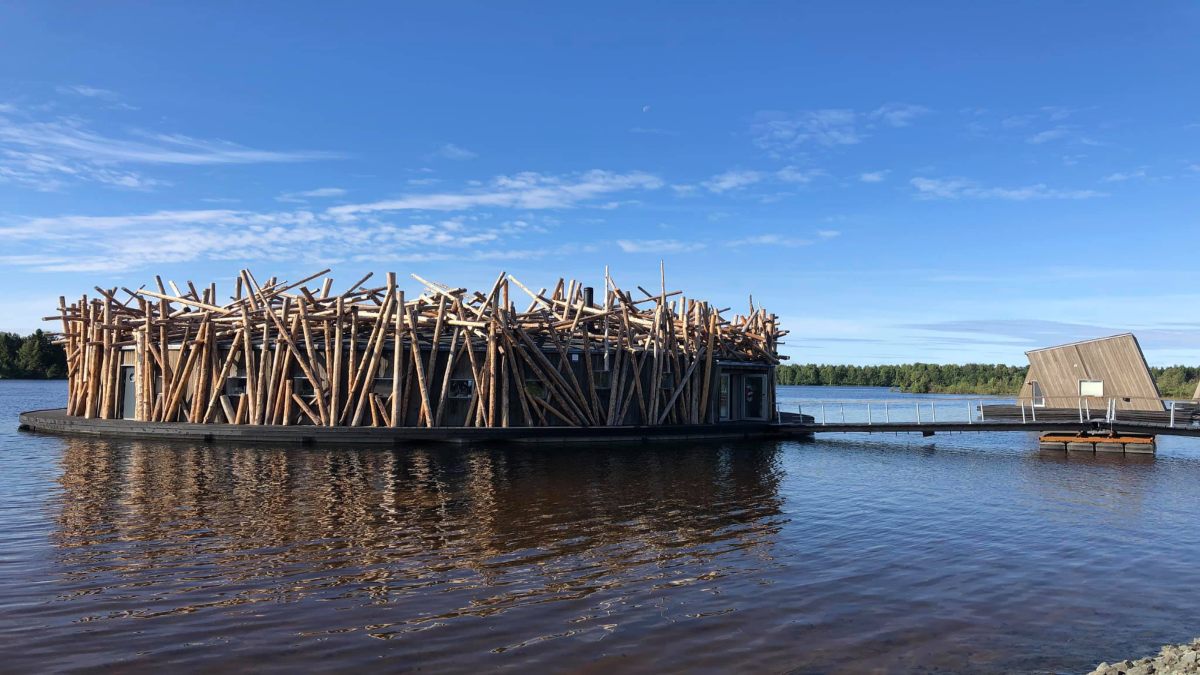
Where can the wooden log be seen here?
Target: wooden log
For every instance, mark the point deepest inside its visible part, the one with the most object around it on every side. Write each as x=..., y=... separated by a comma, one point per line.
x=397, y=358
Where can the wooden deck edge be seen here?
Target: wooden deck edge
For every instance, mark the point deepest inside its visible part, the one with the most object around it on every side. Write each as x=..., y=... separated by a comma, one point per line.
x=57, y=422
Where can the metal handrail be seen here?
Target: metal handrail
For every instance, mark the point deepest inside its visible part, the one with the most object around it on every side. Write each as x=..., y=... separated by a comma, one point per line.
x=974, y=409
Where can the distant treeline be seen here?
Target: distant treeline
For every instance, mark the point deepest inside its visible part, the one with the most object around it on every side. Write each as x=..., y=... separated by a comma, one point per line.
x=32, y=357
x=971, y=378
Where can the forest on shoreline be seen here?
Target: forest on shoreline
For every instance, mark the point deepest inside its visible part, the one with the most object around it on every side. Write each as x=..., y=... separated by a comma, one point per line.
x=31, y=357
x=970, y=378
x=35, y=357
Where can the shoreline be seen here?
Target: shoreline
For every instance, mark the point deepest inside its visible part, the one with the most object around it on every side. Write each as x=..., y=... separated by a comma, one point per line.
x=1170, y=660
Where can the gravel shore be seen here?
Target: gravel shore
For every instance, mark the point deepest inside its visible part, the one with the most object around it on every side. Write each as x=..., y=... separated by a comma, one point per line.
x=1172, y=660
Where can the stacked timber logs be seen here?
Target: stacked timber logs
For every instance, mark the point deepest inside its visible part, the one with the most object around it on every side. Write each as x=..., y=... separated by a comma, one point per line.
x=297, y=353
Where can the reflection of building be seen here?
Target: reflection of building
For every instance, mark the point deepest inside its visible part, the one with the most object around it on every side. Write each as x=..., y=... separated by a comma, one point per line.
x=1091, y=374
x=194, y=531
x=285, y=354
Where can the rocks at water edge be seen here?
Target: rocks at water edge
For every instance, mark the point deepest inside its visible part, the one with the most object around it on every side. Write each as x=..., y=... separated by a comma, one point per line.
x=1172, y=660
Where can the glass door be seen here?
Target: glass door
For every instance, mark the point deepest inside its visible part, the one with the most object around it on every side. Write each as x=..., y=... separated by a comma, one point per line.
x=755, y=401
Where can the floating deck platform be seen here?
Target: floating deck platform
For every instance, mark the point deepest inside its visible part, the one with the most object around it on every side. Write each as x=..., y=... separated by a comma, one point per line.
x=58, y=422
x=1127, y=443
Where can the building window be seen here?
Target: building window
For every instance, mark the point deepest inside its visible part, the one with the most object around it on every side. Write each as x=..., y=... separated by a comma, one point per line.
x=723, y=399
x=1091, y=388
x=235, y=386
x=302, y=387
x=462, y=388
x=603, y=379
x=536, y=389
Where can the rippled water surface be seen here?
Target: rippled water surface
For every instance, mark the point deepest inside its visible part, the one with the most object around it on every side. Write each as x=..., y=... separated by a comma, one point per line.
x=847, y=554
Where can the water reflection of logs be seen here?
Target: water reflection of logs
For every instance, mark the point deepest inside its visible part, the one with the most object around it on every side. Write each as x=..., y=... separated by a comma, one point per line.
x=261, y=523
x=284, y=353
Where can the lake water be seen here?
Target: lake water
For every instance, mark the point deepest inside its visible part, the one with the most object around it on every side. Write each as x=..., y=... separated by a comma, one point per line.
x=891, y=553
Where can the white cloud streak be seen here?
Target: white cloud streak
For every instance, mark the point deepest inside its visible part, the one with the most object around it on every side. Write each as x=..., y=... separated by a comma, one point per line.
x=732, y=180
x=782, y=133
x=658, y=246
x=962, y=188
x=454, y=152
x=353, y=232
x=304, y=196
x=45, y=154
x=528, y=190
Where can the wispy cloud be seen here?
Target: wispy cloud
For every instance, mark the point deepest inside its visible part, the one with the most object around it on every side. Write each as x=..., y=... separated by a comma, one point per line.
x=400, y=230
x=111, y=243
x=658, y=246
x=873, y=176
x=44, y=154
x=87, y=91
x=1122, y=176
x=899, y=114
x=782, y=133
x=961, y=188
x=651, y=131
x=768, y=240
x=779, y=132
x=455, y=152
x=528, y=190
x=732, y=180
x=791, y=174
x=1055, y=134
x=318, y=193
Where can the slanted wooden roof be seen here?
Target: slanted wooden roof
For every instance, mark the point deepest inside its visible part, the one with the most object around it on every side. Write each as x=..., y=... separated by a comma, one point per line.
x=1117, y=361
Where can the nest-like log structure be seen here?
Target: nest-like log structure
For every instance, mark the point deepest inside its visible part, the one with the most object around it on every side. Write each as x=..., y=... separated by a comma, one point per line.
x=368, y=356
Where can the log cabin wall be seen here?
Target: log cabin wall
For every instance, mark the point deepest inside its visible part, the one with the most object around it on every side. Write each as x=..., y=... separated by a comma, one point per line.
x=297, y=353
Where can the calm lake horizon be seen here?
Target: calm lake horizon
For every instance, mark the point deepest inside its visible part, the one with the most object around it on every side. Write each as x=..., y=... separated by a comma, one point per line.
x=971, y=552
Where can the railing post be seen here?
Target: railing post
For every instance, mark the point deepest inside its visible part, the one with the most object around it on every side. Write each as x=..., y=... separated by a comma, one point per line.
x=970, y=415
x=887, y=415
x=1087, y=407
x=933, y=411
x=1080, y=406
x=868, y=414
x=1022, y=412
x=982, y=415
x=1172, y=414
x=842, y=408
x=918, y=412
x=822, y=412
x=1033, y=410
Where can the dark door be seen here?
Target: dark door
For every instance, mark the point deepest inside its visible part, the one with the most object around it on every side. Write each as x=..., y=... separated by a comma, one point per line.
x=755, y=403
x=128, y=393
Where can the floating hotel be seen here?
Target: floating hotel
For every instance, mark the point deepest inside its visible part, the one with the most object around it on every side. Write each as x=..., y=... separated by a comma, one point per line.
x=450, y=362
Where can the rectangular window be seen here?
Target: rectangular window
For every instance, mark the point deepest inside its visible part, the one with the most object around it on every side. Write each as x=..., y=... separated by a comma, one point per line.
x=1039, y=400
x=603, y=379
x=462, y=388
x=1091, y=388
x=235, y=386
x=302, y=387
x=536, y=389
x=723, y=399
x=382, y=386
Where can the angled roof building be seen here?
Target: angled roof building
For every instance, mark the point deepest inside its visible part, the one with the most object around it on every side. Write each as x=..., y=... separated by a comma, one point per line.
x=1092, y=373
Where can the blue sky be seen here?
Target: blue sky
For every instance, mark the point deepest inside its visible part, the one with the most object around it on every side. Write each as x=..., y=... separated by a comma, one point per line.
x=945, y=182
